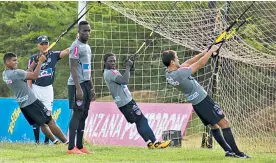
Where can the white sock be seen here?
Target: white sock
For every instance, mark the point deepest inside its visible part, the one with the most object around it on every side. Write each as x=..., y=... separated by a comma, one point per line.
x=55, y=141
x=148, y=141
x=155, y=141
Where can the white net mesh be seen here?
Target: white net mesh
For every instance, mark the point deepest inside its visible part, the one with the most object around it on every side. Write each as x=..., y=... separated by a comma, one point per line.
x=245, y=85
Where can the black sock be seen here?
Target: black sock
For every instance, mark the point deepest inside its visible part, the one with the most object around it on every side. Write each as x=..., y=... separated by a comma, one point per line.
x=46, y=141
x=229, y=138
x=144, y=130
x=36, y=130
x=73, y=126
x=80, y=134
x=79, y=139
x=81, y=129
x=217, y=135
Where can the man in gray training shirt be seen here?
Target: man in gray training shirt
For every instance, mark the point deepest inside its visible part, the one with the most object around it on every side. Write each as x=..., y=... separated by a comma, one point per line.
x=80, y=89
x=33, y=110
x=207, y=110
x=117, y=85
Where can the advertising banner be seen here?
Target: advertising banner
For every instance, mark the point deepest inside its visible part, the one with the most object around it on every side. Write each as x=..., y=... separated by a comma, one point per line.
x=106, y=125
x=14, y=127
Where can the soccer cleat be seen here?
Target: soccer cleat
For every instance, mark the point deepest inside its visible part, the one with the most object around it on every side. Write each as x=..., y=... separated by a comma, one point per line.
x=164, y=144
x=57, y=143
x=151, y=145
x=242, y=155
x=84, y=150
x=75, y=150
x=229, y=154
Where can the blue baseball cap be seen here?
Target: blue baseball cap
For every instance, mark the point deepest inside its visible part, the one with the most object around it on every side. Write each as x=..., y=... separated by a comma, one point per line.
x=42, y=39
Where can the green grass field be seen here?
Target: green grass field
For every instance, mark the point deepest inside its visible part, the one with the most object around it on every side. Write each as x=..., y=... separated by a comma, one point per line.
x=30, y=153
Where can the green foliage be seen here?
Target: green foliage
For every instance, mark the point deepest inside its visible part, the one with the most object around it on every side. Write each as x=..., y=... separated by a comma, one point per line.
x=22, y=22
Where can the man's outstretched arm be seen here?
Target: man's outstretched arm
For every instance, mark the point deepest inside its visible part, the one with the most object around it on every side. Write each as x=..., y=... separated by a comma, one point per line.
x=203, y=60
x=194, y=59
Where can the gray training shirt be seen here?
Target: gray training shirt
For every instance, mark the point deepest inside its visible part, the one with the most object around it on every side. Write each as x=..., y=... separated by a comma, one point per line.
x=15, y=79
x=182, y=80
x=119, y=92
x=82, y=53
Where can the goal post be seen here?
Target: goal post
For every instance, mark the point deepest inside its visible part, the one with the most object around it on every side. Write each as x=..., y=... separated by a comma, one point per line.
x=245, y=82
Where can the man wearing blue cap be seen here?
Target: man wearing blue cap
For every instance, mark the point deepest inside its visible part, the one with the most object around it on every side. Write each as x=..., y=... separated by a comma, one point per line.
x=42, y=87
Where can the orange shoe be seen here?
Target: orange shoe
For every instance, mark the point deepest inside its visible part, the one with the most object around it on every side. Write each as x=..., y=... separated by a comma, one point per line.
x=84, y=150
x=75, y=150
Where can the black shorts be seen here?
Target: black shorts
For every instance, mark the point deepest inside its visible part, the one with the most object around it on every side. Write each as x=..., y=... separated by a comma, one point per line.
x=208, y=111
x=36, y=113
x=86, y=88
x=132, y=112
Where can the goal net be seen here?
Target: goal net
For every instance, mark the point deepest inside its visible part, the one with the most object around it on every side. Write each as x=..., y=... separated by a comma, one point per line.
x=244, y=83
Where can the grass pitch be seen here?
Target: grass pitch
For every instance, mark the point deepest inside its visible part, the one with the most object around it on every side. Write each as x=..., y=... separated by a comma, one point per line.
x=30, y=153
